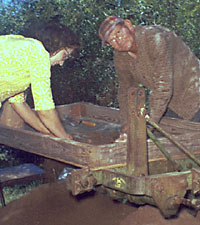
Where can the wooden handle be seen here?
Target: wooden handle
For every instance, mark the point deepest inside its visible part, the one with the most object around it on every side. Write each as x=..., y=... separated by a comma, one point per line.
x=88, y=123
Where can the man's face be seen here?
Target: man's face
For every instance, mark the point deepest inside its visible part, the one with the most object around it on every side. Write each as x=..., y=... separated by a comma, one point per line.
x=121, y=38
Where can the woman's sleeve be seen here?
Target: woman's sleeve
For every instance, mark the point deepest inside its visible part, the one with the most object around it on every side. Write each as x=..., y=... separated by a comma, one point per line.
x=40, y=79
x=19, y=98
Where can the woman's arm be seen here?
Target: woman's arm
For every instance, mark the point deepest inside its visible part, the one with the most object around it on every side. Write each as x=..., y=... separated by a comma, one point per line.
x=29, y=116
x=48, y=121
x=51, y=120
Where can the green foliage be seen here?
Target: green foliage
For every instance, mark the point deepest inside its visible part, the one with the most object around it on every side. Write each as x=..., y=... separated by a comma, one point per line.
x=91, y=77
x=11, y=157
x=17, y=191
x=6, y=156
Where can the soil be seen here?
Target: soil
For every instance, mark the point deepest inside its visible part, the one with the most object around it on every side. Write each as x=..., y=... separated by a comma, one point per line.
x=52, y=204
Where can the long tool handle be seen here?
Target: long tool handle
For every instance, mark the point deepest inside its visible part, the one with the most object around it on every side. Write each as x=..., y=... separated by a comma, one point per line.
x=181, y=147
x=176, y=166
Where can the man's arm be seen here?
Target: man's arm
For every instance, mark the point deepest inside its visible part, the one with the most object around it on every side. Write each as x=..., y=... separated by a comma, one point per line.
x=159, y=78
x=162, y=63
x=48, y=121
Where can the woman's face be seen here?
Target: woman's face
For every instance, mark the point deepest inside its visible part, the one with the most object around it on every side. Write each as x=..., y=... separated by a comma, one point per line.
x=60, y=56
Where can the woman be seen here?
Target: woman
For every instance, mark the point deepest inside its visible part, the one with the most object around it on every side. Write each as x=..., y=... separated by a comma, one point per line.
x=27, y=61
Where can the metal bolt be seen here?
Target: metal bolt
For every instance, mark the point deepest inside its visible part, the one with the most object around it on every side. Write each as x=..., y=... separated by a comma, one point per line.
x=77, y=189
x=196, y=184
x=140, y=93
x=84, y=183
x=173, y=202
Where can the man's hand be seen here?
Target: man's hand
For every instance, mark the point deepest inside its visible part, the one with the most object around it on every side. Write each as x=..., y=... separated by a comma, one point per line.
x=124, y=128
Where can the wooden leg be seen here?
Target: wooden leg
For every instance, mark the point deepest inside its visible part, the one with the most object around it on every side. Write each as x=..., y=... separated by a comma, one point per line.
x=52, y=169
x=3, y=203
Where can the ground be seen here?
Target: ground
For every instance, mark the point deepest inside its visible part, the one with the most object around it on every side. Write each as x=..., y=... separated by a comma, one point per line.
x=52, y=204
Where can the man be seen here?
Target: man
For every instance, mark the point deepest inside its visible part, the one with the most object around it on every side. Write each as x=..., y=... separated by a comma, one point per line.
x=27, y=61
x=159, y=60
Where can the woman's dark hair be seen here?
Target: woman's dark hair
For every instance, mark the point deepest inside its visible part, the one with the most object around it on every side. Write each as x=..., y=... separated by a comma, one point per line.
x=54, y=36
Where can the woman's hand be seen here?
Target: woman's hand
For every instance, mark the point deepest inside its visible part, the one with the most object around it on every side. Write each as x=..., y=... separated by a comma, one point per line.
x=46, y=122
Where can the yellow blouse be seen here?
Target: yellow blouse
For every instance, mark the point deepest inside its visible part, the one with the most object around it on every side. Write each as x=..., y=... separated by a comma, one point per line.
x=24, y=61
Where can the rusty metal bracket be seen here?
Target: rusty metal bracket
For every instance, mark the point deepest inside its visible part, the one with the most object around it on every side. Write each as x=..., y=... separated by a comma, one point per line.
x=80, y=181
x=166, y=191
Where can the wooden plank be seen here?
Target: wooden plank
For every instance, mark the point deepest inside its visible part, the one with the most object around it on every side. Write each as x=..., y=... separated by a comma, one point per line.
x=67, y=151
x=63, y=110
x=101, y=113
x=110, y=155
x=74, y=109
x=98, y=156
x=191, y=141
x=178, y=126
x=84, y=109
x=45, y=145
x=19, y=172
x=86, y=155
